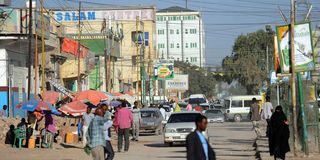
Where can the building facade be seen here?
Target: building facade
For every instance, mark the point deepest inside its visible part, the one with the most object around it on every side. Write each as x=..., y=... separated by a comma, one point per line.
x=121, y=23
x=180, y=35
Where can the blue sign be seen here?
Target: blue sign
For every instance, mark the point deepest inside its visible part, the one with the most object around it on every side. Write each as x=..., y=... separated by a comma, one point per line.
x=146, y=38
x=73, y=16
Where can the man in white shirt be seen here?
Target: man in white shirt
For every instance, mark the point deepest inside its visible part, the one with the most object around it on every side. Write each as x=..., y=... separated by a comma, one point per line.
x=267, y=110
x=108, y=149
x=86, y=119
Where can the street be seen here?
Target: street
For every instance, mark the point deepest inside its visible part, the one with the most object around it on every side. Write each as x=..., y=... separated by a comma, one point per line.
x=229, y=140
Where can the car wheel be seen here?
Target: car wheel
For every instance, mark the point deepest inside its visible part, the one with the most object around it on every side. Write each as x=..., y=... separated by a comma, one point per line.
x=237, y=118
x=170, y=144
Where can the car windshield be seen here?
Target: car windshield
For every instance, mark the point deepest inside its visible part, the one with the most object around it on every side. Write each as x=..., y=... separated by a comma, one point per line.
x=181, y=118
x=148, y=114
x=197, y=100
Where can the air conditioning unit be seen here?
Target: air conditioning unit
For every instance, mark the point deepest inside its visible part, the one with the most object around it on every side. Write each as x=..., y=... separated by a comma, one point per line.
x=5, y=2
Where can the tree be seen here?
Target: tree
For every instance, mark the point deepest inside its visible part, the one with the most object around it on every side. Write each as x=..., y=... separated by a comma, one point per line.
x=247, y=62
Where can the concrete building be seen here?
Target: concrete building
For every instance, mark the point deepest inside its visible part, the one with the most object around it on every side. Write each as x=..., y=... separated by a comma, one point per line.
x=180, y=35
x=124, y=68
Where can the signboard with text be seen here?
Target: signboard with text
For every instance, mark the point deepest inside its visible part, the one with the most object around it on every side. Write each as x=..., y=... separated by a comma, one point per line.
x=303, y=48
x=163, y=69
x=180, y=82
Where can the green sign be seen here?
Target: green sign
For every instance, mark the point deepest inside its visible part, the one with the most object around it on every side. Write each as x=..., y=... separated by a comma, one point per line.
x=164, y=69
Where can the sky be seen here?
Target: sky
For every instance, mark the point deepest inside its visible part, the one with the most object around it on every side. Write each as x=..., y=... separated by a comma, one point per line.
x=223, y=20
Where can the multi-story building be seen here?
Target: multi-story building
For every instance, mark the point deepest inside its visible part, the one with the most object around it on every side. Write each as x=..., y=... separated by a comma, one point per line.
x=180, y=35
x=122, y=22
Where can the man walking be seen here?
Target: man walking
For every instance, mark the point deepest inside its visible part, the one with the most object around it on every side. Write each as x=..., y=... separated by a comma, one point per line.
x=96, y=135
x=86, y=119
x=198, y=148
x=123, y=121
x=108, y=149
x=267, y=110
x=255, y=116
x=136, y=123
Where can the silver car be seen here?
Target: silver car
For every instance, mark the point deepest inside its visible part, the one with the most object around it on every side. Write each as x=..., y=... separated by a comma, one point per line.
x=215, y=115
x=179, y=125
x=151, y=120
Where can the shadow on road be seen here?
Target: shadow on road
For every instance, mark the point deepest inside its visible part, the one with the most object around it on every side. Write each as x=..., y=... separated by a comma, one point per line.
x=172, y=157
x=69, y=146
x=161, y=145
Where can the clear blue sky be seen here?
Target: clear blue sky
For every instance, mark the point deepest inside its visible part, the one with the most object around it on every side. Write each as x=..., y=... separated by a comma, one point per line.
x=224, y=20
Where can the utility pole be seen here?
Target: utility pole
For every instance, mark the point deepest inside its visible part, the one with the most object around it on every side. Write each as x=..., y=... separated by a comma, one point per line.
x=200, y=42
x=42, y=49
x=267, y=56
x=182, y=43
x=167, y=34
x=79, y=49
x=105, y=54
x=137, y=53
x=293, y=75
x=186, y=3
x=36, y=68
x=109, y=55
x=29, y=48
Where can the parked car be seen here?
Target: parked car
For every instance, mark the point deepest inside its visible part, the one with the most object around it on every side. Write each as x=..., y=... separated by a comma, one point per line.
x=151, y=120
x=214, y=115
x=179, y=125
x=238, y=107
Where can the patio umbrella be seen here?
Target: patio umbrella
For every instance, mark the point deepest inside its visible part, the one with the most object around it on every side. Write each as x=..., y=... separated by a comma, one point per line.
x=115, y=103
x=93, y=96
x=36, y=105
x=51, y=97
x=75, y=108
x=117, y=94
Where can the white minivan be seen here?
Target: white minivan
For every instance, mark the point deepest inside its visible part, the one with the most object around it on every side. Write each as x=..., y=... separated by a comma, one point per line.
x=237, y=108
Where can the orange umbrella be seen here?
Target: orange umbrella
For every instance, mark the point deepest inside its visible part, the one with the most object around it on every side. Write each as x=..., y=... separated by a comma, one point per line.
x=51, y=97
x=75, y=108
x=93, y=96
x=116, y=94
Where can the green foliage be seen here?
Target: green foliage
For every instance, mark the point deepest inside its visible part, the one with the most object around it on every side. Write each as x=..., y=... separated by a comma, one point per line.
x=247, y=62
x=199, y=80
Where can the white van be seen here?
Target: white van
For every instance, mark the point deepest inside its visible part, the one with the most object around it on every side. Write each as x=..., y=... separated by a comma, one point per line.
x=238, y=107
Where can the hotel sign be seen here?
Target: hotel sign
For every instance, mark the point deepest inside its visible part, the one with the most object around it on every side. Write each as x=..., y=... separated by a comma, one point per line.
x=72, y=16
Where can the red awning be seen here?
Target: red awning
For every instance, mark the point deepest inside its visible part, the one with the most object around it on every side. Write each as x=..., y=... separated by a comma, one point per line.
x=71, y=46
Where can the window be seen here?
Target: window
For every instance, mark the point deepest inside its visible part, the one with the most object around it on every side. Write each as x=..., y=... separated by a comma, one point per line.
x=178, y=31
x=195, y=59
x=171, y=45
x=171, y=31
x=193, y=31
x=187, y=45
x=247, y=103
x=186, y=31
x=193, y=45
x=178, y=45
x=160, y=31
x=236, y=103
x=161, y=45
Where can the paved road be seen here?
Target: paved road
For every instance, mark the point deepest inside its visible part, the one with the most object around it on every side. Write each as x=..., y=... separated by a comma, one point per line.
x=230, y=141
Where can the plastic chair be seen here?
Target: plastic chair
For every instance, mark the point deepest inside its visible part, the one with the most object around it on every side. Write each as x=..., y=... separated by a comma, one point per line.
x=19, y=135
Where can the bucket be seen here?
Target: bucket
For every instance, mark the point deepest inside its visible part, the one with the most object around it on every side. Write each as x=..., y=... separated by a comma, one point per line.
x=31, y=143
x=69, y=138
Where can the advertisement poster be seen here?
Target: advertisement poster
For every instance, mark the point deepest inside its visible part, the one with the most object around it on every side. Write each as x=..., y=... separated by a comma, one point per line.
x=303, y=48
x=163, y=69
x=179, y=82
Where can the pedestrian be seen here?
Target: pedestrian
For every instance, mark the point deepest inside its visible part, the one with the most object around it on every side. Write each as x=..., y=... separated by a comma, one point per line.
x=22, y=125
x=109, y=152
x=51, y=129
x=267, y=110
x=3, y=112
x=96, y=135
x=279, y=134
x=255, y=116
x=189, y=107
x=123, y=119
x=86, y=119
x=136, y=123
x=198, y=148
x=162, y=111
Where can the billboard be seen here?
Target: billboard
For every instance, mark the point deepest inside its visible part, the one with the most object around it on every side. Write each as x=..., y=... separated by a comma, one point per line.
x=179, y=82
x=303, y=47
x=163, y=69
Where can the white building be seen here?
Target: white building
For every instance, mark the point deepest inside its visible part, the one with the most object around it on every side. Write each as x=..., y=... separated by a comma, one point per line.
x=180, y=35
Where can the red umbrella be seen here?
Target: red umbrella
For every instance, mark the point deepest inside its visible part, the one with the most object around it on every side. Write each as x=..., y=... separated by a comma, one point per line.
x=116, y=94
x=75, y=108
x=51, y=97
x=93, y=96
x=129, y=93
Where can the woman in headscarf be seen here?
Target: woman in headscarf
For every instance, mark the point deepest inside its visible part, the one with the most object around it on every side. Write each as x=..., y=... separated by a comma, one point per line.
x=279, y=134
